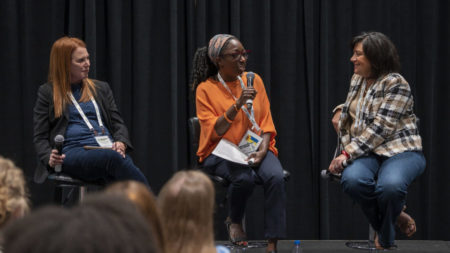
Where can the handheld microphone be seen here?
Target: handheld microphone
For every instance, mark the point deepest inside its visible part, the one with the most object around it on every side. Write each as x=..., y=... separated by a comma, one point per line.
x=250, y=77
x=346, y=163
x=326, y=174
x=59, y=140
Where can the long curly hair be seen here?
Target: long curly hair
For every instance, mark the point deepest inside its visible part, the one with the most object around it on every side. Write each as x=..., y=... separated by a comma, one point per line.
x=14, y=199
x=203, y=67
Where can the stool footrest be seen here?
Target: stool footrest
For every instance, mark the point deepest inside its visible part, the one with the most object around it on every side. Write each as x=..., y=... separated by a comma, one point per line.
x=365, y=245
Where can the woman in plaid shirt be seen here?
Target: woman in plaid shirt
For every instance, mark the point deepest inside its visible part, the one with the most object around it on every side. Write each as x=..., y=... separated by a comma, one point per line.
x=378, y=131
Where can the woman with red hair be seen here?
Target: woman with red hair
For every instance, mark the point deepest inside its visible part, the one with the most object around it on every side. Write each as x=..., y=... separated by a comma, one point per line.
x=84, y=112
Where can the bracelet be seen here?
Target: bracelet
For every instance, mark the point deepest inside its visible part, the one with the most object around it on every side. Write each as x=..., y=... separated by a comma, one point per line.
x=226, y=118
x=346, y=154
x=235, y=107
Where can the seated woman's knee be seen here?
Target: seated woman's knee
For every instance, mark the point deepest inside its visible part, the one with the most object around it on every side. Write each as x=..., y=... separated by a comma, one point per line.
x=115, y=159
x=244, y=180
x=353, y=183
x=392, y=189
x=115, y=156
x=277, y=179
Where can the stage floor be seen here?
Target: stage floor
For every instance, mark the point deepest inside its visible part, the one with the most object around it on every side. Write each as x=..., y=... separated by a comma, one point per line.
x=317, y=246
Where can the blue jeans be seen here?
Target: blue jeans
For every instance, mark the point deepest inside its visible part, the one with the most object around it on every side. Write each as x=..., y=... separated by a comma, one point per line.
x=379, y=185
x=243, y=180
x=101, y=165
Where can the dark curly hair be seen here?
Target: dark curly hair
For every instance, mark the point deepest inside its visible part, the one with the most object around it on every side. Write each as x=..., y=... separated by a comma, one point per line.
x=203, y=67
x=380, y=51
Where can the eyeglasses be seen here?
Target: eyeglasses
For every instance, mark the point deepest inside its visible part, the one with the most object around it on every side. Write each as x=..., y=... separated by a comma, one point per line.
x=237, y=56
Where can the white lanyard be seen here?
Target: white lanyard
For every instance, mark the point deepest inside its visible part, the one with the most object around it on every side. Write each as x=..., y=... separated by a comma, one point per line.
x=86, y=120
x=251, y=114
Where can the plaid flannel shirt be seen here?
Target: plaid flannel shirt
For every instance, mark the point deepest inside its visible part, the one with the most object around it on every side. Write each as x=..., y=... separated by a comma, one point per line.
x=388, y=121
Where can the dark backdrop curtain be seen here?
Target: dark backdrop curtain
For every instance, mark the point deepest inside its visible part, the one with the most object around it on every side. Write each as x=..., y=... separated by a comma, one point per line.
x=300, y=48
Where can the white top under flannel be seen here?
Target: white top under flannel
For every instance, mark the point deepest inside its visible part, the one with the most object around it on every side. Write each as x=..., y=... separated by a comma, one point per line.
x=388, y=121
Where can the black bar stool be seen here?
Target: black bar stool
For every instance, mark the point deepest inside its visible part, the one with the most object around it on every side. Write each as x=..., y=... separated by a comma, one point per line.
x=194, y=135
x=63, y=181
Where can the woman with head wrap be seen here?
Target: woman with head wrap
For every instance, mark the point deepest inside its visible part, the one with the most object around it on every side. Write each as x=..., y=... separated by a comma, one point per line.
x=218, y=79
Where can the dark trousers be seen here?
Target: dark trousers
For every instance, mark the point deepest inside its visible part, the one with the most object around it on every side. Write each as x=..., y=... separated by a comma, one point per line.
x=101, y=165
x=243, y=179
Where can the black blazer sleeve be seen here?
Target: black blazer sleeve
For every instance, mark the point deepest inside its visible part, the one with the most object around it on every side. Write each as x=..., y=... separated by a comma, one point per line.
x=46, y=127
x=114, y=121
x=41, y=122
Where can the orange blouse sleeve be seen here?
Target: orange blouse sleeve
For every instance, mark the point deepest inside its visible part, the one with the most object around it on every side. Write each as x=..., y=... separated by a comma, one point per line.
x=207, y=116
x=263, y=114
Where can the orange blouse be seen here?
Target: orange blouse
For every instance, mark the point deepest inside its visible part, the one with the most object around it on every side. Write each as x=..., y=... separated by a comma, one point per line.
x=212, y=100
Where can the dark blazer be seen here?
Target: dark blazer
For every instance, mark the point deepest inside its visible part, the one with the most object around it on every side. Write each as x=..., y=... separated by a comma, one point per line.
x=46, y=126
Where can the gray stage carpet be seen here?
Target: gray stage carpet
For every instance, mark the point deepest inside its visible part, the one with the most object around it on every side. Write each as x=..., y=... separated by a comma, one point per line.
x=319, y=246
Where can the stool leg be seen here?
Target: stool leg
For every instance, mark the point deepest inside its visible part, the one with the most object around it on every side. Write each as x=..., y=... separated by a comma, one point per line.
x=57, y=197
x=371, y=237
x=364, y=245
x=244, y=224
x=82, y=192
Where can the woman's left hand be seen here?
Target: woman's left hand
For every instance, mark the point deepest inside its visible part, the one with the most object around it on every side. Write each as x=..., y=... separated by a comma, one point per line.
x=119, y=147
x=258, y=156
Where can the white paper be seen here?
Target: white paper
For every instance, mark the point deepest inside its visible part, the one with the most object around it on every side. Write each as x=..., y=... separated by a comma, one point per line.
x=229, y=151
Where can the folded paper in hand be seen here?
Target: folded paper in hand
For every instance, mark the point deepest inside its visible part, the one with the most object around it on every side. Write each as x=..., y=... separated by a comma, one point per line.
x=229, y=151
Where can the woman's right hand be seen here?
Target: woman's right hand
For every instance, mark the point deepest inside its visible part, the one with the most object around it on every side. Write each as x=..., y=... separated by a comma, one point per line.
x=336, y=165
x=246, y=94
x=55, y=158
x=222, y=125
